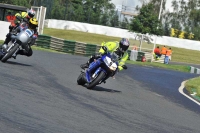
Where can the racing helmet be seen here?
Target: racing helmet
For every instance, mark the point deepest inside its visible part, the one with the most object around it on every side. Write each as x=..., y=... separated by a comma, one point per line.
x=33, y=23
x=124, y=44
x=31, y=13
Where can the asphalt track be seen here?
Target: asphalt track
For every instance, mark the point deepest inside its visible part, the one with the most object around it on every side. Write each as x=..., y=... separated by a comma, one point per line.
x=40, y=95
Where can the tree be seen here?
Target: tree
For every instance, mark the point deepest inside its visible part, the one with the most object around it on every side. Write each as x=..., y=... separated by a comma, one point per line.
x=114, y=19
x=89, y=11
x=125, y=24
x=147, y=21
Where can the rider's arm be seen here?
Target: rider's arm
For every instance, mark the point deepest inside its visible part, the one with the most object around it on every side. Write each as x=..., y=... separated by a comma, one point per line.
x=111, y=47
x=101, y=51
x=34, y=37
x=18, y=17
x=123, y=60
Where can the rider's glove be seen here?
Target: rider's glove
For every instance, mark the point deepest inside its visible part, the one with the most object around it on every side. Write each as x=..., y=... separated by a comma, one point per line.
x=124, y=67
x=105, y=49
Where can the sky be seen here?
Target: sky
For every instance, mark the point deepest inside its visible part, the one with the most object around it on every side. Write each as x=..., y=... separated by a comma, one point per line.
x=134, y=3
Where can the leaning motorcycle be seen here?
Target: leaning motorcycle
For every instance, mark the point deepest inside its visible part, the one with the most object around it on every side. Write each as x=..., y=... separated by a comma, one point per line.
x=20, y=38
x=99, y=70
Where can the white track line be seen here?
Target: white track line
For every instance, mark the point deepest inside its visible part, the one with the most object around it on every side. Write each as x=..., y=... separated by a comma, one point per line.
x=181, y=91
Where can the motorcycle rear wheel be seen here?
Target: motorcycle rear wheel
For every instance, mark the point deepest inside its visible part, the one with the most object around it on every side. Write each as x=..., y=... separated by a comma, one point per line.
x=96, y=80
x=10, y=53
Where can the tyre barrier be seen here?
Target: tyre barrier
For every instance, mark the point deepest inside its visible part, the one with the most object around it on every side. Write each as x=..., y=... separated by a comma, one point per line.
x=66, y=46
x=194, y=70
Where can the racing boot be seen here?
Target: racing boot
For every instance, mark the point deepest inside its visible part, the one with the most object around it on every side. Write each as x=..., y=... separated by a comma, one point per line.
x=92, y=58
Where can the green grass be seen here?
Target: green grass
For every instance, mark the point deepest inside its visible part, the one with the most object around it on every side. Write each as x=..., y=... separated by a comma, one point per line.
x=193, y=85
x=160, y=65
x=79, y=36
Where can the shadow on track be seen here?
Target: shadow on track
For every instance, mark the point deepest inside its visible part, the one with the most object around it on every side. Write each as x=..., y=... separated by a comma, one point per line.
x=99, y=88
x=16, y=63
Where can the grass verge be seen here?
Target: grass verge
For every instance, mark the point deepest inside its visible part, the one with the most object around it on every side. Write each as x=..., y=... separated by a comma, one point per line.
x=160, y=65
x=193, y=87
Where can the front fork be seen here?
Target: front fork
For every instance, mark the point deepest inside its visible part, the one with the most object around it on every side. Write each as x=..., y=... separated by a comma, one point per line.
x=12, y=45
x=92, y=67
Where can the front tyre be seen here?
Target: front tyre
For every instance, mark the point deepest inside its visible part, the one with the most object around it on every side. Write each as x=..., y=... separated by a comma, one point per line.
x=10, y=53
x=80, y=79
x=96, y=80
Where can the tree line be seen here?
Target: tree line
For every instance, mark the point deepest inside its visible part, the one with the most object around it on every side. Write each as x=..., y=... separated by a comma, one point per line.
x=183, y=21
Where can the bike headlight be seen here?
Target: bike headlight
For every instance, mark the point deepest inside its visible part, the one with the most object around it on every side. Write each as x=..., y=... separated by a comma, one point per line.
x=112, y=68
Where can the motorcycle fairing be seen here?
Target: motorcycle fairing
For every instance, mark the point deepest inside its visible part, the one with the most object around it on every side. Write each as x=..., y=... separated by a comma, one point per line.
x=92, y=67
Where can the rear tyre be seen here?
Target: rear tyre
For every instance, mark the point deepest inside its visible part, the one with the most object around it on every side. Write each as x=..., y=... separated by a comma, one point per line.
x=80, y=79
x=10, y=53
x=96, y=81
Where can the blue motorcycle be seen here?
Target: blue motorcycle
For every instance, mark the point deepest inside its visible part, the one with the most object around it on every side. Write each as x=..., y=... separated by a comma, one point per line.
x=99, y=70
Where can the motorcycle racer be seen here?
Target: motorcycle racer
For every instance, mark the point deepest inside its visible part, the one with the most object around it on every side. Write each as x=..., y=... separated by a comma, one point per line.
x=32, y=25
x=23, y=16
x=120, y=48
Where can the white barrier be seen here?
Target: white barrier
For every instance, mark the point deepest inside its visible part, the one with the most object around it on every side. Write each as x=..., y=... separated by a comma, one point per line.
x=4, y=29
x=198, y=71
x=116, y=32
x=180, y=43
x=98, y=29
x=192, y=69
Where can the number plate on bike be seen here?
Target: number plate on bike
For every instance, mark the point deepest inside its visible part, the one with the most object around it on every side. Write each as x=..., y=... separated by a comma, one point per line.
x=29, y=32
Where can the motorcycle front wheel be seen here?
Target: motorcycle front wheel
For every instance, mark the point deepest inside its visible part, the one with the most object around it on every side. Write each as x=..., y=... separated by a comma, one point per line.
x=10, y=53
x=96, y=80
x=80, y=79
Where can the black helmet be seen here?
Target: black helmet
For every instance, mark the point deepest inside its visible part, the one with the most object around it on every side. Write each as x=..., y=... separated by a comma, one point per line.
x=124, y=44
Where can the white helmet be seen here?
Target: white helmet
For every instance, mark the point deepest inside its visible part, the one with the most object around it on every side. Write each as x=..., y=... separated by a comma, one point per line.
x=31, y=13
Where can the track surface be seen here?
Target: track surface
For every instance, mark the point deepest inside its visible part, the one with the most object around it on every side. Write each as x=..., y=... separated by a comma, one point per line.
x=40, y=95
